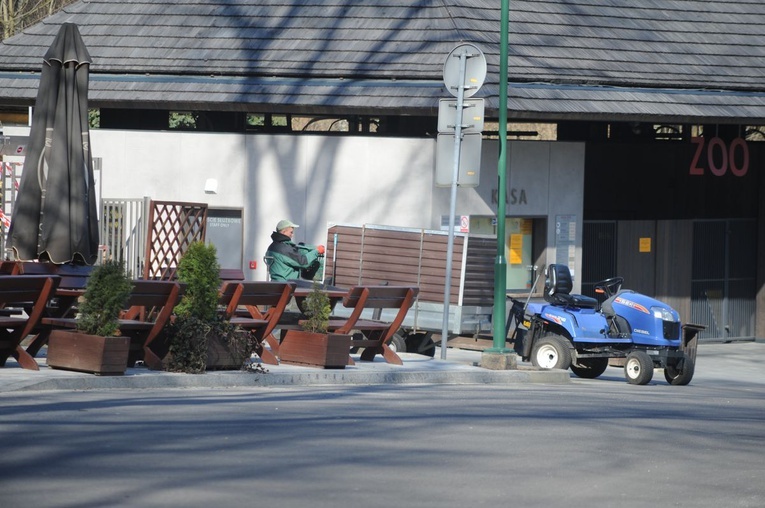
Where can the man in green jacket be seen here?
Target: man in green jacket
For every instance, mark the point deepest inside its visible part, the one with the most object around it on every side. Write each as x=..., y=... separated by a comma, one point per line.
x=287, y=260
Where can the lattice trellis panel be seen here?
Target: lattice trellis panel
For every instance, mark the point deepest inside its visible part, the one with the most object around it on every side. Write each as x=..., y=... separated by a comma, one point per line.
x=173, y=226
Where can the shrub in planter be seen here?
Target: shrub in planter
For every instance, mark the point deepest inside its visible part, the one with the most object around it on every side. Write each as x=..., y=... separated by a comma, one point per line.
x=317, y=310
x=106, y=294
x=95, y=345
x=197, y=322
x=199, y=271
x=313, y=345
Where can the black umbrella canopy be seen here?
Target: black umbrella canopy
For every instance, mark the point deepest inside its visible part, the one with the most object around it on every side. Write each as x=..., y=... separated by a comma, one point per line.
x=55, y=216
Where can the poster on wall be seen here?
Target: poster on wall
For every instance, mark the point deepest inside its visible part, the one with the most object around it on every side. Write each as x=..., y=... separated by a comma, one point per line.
x=518, y=242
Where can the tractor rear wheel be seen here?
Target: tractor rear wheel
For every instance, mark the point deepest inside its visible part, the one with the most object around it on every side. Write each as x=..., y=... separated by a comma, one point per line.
x=551, y=352
x=638, y=368
x=680, y=373
x=589, y=368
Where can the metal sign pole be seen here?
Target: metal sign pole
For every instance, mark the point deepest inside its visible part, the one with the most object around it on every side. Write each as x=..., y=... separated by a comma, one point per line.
x=453, y=202
x=457, y=71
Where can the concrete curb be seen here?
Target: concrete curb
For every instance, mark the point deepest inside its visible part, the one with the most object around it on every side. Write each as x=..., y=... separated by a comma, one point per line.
x=247, y=379
x=417, y=369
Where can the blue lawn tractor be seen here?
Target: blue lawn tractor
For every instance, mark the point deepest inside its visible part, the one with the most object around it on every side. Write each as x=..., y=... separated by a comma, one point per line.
x=576, y=332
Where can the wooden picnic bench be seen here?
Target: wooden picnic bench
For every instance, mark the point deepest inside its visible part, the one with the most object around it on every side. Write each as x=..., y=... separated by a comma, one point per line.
x=149, y=309
x=263, y=303
x=73, y=279
x=376, y=333
x=33, y=293
x=63, y=303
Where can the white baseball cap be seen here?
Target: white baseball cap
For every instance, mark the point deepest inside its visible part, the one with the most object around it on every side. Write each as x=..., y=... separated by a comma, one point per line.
x=284, y=224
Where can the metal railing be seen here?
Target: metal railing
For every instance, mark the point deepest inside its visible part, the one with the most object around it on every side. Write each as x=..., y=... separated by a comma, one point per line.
x=123, y=232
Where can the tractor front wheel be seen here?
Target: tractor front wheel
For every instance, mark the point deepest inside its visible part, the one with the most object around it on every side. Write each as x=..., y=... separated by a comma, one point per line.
x=638, y=368
x=681, y=372
x=551, y=352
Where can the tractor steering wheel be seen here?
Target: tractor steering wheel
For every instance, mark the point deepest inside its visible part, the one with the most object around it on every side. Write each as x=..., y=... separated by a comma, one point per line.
x=609, y=287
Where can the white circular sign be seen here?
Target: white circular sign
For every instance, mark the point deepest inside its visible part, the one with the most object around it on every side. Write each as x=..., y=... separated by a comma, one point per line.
x=475, y=70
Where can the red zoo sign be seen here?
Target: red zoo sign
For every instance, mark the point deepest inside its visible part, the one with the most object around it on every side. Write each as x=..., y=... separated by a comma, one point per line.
x=720, y=157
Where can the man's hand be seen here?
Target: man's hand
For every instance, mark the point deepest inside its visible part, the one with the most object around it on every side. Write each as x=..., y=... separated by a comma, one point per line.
x=320, y=249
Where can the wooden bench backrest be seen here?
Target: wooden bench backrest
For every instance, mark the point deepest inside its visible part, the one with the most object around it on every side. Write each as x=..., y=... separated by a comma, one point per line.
x=9, y=268
x=153, y=301
x=34, y=288
x=153, y=293
x=14, y=289
x=33, y=268
x=37, y=289
x=72, y=276
x=379, y=297
x=229, y=274
x=255, y=293
x=265, y=293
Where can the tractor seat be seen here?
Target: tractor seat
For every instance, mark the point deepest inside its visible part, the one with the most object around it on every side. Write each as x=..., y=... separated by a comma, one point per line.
x=558, y=287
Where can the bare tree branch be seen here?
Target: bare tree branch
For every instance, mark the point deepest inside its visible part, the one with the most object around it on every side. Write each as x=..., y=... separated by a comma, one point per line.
x=16, y=15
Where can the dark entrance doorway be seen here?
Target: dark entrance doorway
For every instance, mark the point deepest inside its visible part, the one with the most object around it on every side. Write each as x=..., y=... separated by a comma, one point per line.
x=723, y=286
x=722, y=255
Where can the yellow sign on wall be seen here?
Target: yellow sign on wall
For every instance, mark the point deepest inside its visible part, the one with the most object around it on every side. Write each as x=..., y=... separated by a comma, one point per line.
x=645, y=244
x=516, y=249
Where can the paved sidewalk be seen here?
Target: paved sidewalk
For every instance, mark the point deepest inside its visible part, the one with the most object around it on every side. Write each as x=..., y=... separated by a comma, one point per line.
x=461, y=367
x=717, y=364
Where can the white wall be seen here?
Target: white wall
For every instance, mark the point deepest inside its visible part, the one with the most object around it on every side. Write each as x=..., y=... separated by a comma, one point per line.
x=171, y=166
x=311, y=180
x=314, y=180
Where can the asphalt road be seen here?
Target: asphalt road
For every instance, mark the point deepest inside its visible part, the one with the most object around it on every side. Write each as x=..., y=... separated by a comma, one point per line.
x=589, y=443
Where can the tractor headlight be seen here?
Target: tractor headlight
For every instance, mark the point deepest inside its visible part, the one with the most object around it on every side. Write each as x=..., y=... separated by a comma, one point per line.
x=663, y=314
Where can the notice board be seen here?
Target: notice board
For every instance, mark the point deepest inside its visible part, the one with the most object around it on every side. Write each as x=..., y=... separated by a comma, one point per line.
x=225, y=230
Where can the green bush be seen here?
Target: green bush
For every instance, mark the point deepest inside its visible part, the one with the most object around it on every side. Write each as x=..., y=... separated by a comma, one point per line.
x=188, y=345
x=106, y=295
x=196, y=315
x=199, y=271
x=317, y=310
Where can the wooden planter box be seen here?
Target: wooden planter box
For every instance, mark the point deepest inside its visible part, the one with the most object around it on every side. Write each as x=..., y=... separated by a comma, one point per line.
x=329, y=351
x=222, y=357
x=72, y=350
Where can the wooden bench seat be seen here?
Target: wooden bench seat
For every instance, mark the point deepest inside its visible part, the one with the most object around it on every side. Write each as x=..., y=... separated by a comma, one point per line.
x=377, y=334
x=263, y=304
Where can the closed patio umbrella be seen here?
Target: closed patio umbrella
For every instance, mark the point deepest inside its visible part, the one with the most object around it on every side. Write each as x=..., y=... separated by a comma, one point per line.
x=55, y=217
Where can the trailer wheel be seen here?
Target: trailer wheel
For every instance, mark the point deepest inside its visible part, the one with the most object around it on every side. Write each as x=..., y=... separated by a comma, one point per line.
x=397, y=343
x=638, y=368
x=589, y=368
x=356, y=335
x=680, y=373
x=421, y=343
x=551, y=352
